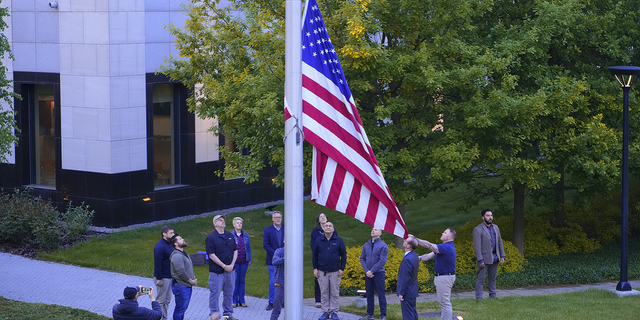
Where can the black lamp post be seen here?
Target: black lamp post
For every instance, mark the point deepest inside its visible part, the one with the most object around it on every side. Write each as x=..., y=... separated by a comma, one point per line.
x=626, y=77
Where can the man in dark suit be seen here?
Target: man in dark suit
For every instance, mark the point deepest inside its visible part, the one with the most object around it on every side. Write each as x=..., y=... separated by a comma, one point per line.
x=445, y=269
x=407, y=287
x=489, y=250
x=272, y=239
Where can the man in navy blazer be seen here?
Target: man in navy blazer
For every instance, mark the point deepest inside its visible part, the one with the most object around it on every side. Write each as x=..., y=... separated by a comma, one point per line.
x=272, y=239
x=407, y=287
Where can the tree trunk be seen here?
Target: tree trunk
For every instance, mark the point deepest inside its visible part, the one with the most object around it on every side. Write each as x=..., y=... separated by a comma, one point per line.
x=398, y=242
x=518, y=217
x=558, y=216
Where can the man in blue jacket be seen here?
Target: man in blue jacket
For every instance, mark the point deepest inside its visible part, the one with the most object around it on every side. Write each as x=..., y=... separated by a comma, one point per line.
x=272, y=239
x=407, y=286
x=162, y=269
x=329, y=257
x=128, y=308
x=373, y=258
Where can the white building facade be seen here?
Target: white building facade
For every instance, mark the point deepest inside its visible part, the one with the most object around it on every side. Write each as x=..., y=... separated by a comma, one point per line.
x=97, y=124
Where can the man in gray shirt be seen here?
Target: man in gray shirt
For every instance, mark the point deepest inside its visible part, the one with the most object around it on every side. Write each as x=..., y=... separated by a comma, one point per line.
x=183, y=277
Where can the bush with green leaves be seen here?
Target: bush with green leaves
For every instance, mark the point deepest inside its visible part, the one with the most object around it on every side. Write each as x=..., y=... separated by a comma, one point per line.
x=76, y=221
x=29, y=220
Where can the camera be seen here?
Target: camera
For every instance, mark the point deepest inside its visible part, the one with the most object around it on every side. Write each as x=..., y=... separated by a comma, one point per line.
x=145, y=290
x=53, y=5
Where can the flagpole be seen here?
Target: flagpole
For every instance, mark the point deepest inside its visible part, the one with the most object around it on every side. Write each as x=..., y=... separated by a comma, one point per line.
x=293, y=179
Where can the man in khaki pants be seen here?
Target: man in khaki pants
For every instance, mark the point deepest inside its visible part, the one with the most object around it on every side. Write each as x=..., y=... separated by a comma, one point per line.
x=329, y=260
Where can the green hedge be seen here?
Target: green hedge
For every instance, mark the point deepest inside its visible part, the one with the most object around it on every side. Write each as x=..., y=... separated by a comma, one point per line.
x=566, y=268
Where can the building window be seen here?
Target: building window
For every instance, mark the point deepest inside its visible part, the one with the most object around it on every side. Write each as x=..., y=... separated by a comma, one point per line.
x=164, y=135
x=45, y=141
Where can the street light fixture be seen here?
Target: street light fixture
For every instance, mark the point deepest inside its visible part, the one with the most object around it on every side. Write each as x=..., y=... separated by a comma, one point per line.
x=626, y=76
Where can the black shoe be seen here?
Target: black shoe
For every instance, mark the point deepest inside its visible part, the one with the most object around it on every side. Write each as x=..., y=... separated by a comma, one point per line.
x=270, y=307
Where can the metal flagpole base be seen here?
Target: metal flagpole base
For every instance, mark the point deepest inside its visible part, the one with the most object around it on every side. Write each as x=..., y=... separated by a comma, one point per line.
x=623, y=286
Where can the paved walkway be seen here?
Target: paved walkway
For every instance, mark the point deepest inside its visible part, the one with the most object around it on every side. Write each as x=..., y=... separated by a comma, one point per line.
x=29, y=280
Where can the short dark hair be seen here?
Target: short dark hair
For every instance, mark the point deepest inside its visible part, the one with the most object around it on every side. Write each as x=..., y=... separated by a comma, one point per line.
x=485, y=211
x=165, y=229
x=173, y=240
x=413, y=242
x=453, y=233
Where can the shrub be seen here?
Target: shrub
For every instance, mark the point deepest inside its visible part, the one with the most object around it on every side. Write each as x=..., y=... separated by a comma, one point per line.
x=353, y=276
x=537, y=237
x=28, y=220
x=76, y=221
x=572, y=239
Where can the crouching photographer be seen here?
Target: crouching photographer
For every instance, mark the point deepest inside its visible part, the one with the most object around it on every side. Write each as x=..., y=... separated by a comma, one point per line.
x=128, y=308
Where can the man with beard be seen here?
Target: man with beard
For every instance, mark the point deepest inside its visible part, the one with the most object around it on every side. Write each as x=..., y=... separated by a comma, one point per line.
x=183, y=277
x=489, y=250
x=162, y=270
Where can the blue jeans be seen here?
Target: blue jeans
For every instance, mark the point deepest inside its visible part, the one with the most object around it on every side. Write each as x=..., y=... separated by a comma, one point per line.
x=272, y=283
x=225, y=282
x=378, y=282
x=183, y=296
x=238, y=292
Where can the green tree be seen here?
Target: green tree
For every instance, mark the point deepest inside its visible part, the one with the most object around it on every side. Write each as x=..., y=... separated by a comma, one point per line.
x=7, y=115
x=520, y=89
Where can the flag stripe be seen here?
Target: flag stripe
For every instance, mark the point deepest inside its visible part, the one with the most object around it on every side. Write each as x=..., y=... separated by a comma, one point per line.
x=345, y=174
x=336, y=129
x=364, y=178
x=312, y=125
x=311, y=80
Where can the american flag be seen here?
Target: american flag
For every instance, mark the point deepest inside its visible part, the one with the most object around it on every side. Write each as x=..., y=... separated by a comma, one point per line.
x=346, y=176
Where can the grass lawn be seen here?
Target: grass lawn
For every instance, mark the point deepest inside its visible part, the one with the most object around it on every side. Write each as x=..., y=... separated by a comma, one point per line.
x=591, y=304
x=131, y=251
x=15, y=310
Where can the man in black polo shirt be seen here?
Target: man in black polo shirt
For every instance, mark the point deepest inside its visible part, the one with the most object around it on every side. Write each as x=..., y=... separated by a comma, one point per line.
x=222, y=251
x=445, y=269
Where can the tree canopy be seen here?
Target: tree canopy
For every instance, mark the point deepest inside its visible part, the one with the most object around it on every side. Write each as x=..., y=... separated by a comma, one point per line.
x=7, y=115
x=448, y=91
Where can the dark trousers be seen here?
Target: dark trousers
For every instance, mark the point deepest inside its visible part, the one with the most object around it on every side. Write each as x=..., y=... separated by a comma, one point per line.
x=278, y=302
x=377, y=283
x=409, y=311
x=492, y=270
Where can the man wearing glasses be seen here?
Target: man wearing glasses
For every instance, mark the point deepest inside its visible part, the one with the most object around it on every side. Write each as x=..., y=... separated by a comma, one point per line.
x=272, y=239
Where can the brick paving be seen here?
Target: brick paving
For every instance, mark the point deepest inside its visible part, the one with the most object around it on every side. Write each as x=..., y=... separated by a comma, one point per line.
x=30, y=280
